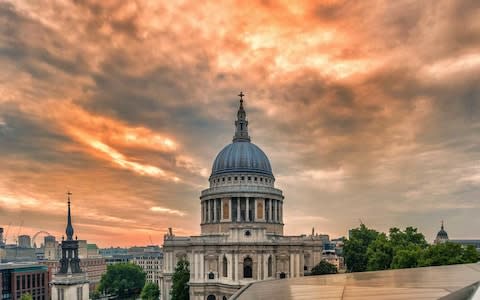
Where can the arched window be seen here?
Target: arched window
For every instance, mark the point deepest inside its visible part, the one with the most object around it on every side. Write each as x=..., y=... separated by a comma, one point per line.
x=225, y=267
x=270, y=266
x=211, y=297
x=211, y=275
x=247, y=267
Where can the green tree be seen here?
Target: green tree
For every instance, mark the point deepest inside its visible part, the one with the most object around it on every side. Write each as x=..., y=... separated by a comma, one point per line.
x=470, y=254
x=26, y=296
x=123, y=280
x=324, y=267
x=150, y=291
x=180, y=278
x=379, y=253
x=407, y=257
x=447, y=254
x=404, y=239
x=356, y=247
x=95, y=295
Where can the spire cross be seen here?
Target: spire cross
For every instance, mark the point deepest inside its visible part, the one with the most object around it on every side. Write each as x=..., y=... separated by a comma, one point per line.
x=241, y=96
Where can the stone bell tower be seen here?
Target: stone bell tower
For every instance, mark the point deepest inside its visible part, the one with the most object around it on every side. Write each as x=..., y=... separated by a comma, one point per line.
x=70, y=282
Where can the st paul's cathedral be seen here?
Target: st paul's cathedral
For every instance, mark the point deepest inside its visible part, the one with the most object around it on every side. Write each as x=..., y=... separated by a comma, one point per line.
x=241, y=239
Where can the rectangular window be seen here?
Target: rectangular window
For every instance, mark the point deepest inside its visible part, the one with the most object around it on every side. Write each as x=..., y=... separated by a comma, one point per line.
x=28, y=281
x=79, y=293
x=23, y=282
x=33, y=280
x=60, y=294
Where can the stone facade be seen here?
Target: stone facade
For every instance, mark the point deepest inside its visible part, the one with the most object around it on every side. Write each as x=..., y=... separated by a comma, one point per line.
x=241, y=238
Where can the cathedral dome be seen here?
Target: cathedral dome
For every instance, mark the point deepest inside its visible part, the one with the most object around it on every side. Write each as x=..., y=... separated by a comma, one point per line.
x=241, y=156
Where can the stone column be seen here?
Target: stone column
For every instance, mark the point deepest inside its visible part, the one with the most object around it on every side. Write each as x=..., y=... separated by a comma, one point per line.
x=271, y=209
x=281, y=212
x=202, y=266
x=292, y=267
x=205, y=216
x=215, y=217
x=274, y=206
x=247, y=204
x=193, y=274
x=221, y=210
x=238, y=209
x=211, y=211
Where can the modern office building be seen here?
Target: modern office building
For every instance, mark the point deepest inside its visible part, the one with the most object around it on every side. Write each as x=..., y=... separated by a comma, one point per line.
x=17, y=279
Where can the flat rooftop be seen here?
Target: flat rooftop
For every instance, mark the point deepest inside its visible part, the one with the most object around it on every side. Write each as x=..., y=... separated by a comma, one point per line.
x=18, y=266
x=418, y=283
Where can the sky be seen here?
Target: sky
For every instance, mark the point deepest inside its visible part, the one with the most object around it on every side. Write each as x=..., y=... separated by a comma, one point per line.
x=369, y=111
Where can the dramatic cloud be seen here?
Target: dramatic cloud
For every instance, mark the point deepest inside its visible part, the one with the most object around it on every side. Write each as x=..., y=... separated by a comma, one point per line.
x=368, y=111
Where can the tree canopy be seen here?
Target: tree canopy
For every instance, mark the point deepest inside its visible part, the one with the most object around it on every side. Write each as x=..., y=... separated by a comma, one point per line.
x=324, y=267
x=180, y=278
x=368, y=250
x=26, y=296
x=150, y=291
x=124, y=280
x=355, y=248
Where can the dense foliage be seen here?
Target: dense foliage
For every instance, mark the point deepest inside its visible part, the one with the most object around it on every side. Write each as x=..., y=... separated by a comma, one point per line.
x=369, y=250
x=124, y=280
x=324, y=267
x=26, y=296
x=181, y=276
x=150, y=291
x=355, y=249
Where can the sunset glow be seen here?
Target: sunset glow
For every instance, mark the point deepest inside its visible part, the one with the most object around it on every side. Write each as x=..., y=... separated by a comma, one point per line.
x=367, y=110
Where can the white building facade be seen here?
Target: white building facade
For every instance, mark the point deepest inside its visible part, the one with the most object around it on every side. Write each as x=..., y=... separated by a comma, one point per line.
x=241, y=238
x=152, y=265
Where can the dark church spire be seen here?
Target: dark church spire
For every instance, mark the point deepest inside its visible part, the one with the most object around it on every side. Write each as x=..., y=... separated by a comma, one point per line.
x=69, y=263
x=241, y=124
x=69, y=230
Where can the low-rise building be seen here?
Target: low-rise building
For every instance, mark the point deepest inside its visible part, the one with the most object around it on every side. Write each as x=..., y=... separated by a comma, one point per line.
x=152, y=264
x=24, y=241
x=17, y=279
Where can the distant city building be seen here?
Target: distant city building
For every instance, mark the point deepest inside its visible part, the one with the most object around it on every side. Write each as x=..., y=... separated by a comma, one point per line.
x=442, y=236
x=93, y=251
x=24, y=241
x=14, y=253
x=474, y=243
x=2, y=241
x=110, y=252
x=152, y=264
x=17, y=279
x=118, y=259
x=51, y=248
x=333, y=258
x=241, y=238
x=70, y=281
